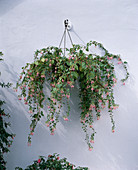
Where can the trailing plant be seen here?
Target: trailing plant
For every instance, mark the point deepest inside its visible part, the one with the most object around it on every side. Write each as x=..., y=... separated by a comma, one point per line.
x=96, y=77
x=50, y=163
x=6, y=138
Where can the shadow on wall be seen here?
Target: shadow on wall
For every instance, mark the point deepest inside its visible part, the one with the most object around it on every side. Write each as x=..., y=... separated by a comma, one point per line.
x=7, y=5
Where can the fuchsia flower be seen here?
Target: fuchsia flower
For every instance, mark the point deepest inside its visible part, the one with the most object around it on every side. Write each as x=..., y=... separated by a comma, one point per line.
x=72, y=86
x=52, y=133
x=68, y=96
x=21, y=87
x=30, y=111
x=24, y=98
x=90, y=149
x=62, y=80
x=120, y=62
x=27, y=76
x=20, y=77
x=70, y=57
x=87, y=115
x=113, y=130
x=108, y=75
x=103, y=106
x=92, y=82
x=92, y=141
x=106, y=85
x=100, y=101
x=26, y=102
x=39, y=160
x=91, y=126
x=19, y=98
x=114, y=80
x=66, y=119
x=43, y=76
x=92, y=89
x=32, y=133
x=124, y=83
x=50, y=65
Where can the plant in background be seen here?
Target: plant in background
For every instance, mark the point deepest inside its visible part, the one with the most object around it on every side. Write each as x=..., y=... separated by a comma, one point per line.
x=51, y=162
x=96, y=77
x=6, y=138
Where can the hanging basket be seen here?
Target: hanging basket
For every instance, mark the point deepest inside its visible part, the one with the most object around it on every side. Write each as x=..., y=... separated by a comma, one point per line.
x=96, y=77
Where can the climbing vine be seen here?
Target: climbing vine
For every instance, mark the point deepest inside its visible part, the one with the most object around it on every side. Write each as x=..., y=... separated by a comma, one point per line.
x=6, y=138
x=96, y=77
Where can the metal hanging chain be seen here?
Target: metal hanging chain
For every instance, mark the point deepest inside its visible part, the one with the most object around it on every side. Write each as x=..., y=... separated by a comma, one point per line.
x=64, y=36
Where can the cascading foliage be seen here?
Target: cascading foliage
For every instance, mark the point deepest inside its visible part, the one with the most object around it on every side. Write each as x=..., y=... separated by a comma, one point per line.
x=96, y=77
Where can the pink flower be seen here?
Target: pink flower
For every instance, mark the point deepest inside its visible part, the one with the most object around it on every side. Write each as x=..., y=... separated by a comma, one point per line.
x=72, y=86
x=58, y=158
x=39, y=160
x=21, y=87
x=124, y=83
x=92, y=89
x=70, y=57
x=106, y=85
x=68, y=82
x=92, y=82
x=19, y=98
x=99, y=100
x=68, y=96
x=27, y=76
x=20, y=77
x=52, y=120
x=107, y=93
x=48, y=107
x=26, y=102
x=120, y=62
x=43, y=76
x=103, y=106
x=62, y=80
x=30, y=111
x=111, y=58
x=91, y=126
x=52, y=133
x=99, y=110
x=113, y=130
x=50, y=65
x=114, y=80
x=108, y=75
x=47, y=125
x=92, y=141
x=32, y=133
x=87, y=115
x=90, y=149
x=15, y=90
x=24, y=98
x=66, y=119
x=46, y=59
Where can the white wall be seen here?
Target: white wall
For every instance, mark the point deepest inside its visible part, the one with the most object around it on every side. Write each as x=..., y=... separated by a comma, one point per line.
x=27, y=25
